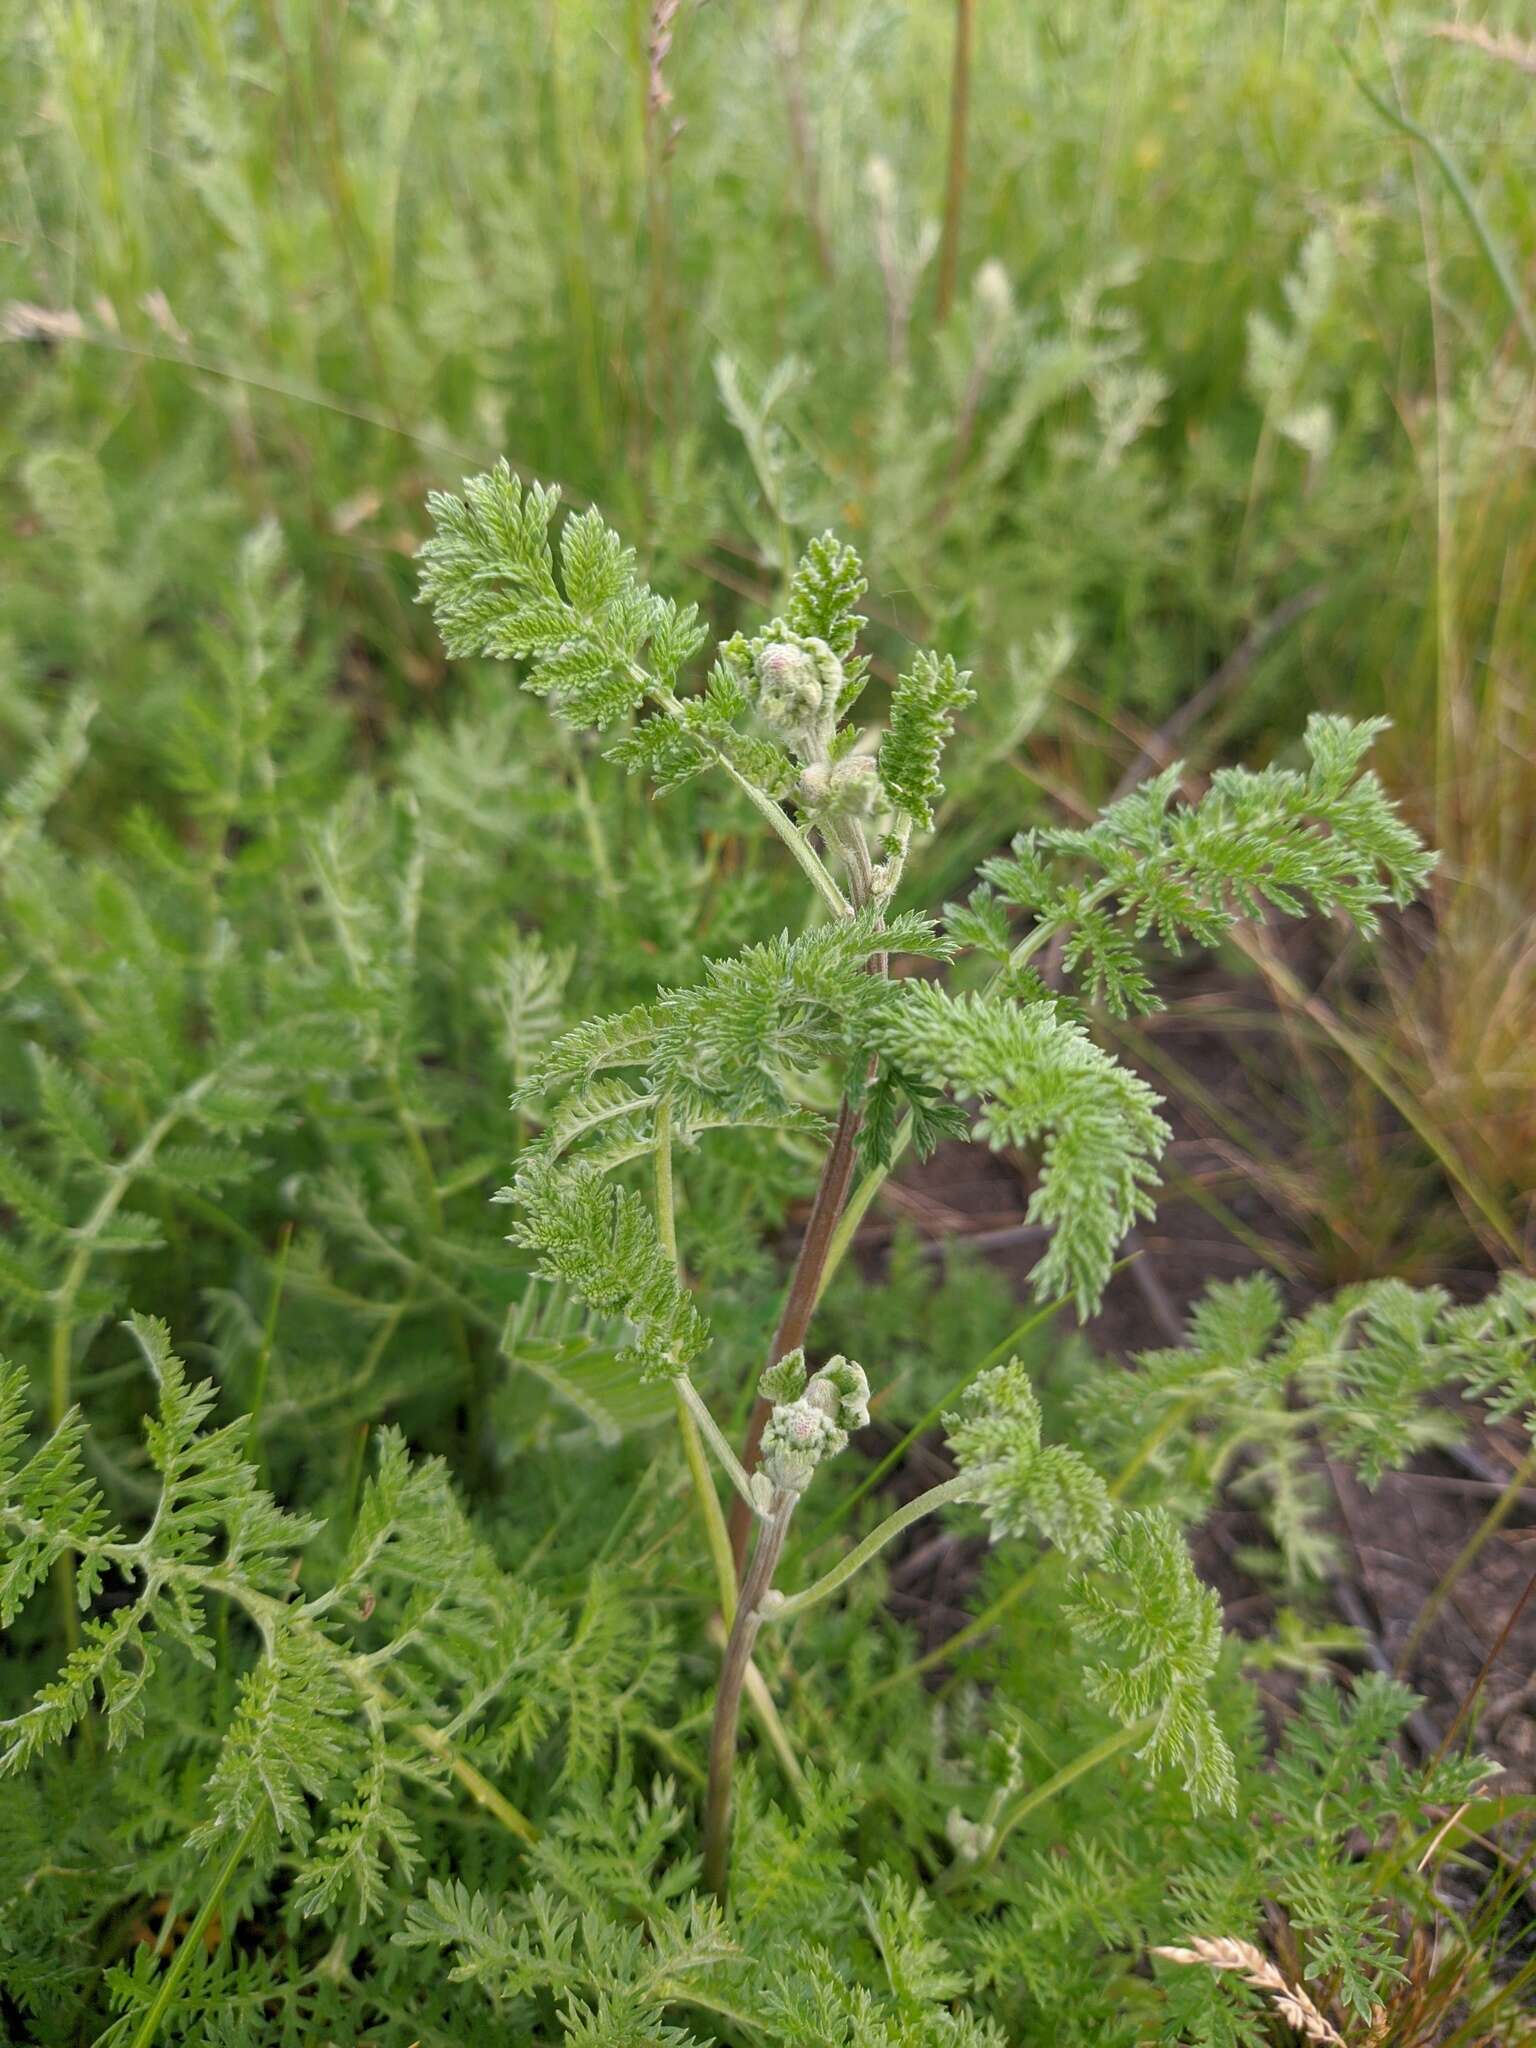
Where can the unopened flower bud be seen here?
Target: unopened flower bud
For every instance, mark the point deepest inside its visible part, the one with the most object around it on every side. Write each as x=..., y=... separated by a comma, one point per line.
x=841, y=1389
x=848, y=788
x=799, y=683
x=853, y=786
x=798, y=1435
x=788, y=684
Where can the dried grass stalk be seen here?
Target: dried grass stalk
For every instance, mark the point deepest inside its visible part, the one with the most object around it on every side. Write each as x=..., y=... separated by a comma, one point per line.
x=1225, y=1952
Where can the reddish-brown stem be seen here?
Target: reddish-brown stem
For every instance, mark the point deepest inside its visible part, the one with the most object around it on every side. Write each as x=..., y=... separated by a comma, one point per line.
x=738, y=1655
x=804, y=1288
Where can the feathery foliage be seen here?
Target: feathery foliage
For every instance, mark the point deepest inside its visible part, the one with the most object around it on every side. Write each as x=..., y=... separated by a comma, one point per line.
x=600, y=1242
x=1020, y=1483
x=922, y=718
x=409, y=1717
x=1325, y=840
x=1166, y=1627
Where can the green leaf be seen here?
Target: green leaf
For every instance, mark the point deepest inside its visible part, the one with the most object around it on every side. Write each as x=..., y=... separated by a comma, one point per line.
x=922, y=719
x=1040, y=1079
x=600, y=1241
x=1164, y=1627
x=1020, y=1484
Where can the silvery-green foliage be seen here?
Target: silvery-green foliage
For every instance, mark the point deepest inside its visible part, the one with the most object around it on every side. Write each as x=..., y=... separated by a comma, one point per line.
x=766, y=1022
x=1249, y=1393
x=262, y=1037
x=599, y=1241
x=1041, y=1081
x=923, y=705
x=1162, y=1628
x=1329, y=839
x=489, y=574
x=1021, y=1484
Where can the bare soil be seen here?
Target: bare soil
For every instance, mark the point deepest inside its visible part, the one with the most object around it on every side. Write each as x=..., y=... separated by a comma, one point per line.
x=1279, y=1161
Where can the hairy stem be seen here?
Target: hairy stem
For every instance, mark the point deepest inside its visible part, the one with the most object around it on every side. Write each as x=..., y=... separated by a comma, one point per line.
x=1011, y=1595
x=784, y=1607
x=782, y=824
x=786, y=828
x=804, y=1292
x=715, y=1533
x=733, y=1673
x=666, y=1204
x=898, y=1451
x=692, y=1414
x=697, y=1410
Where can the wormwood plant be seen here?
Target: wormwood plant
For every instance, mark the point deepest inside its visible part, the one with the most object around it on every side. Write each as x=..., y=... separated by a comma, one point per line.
x=363, y=1687
x=821, y=1015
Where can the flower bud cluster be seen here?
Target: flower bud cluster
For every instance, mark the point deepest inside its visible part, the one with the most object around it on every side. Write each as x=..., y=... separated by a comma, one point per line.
x=849, y=788
x=811, y=1416
x=799, y=682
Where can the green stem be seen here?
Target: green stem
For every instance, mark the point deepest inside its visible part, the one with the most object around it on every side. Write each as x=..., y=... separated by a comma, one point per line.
x=698, y=1410
x=782, y=1607
x=954, y=184
x=191, y=1941
x=894, y=1456
x=592, y=825
x=479, y=1787
x=1046, y=930
x=992, y=1614
x=858, y=1206
x=777, y=817
x=692, y=1413
x=264, y=1355
x=59, y=1392
x=1031, y=1802
x=1152, y=1443
x=715, y=1532
x=794, y=839
x=666, y=1206
x=1462, y=193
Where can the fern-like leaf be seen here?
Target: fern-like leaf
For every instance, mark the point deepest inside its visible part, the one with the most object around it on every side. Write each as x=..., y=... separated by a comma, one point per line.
x=1040, y=1079
x=1165, y=1628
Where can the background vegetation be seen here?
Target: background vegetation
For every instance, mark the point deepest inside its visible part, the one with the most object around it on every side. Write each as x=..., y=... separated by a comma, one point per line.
x=1173, y=369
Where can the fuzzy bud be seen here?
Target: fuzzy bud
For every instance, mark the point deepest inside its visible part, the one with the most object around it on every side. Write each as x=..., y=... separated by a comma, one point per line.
x=799, y=682
x=848, y=788
x=798, y=1435
x=811, y=1418
x=970, y=1839
x=789, y=689
x=841, y=1388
